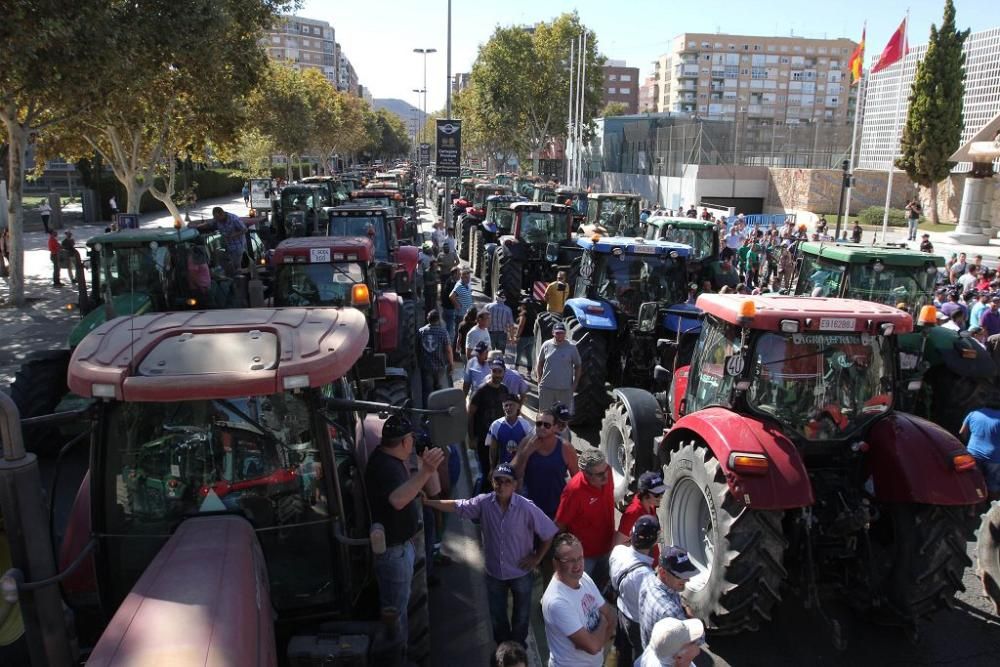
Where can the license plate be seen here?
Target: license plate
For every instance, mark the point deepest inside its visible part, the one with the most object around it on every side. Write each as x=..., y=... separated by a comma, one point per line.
x=837, y=323
x=645, y=249
x=319, y=255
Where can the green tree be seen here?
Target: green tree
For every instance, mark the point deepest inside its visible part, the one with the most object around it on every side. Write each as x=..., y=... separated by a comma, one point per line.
x=280, y=107
x=934, y=121
x=387, y=135
x=57, y=61
x=614, y=109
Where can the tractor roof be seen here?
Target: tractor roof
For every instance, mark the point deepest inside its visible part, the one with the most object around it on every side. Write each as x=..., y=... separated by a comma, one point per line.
x=492, y=186
x=217, y=353
x=814, y=314
x=565, y=190
x=358, y=210
x=298, y=188
x=330, y=249
x=319, y=179
x=376, y=193
x=507, y=198
x=162, y=235
x=854, y=253
x=680, y=223
x=633, y=246
x=545, y=207
x=613, y=195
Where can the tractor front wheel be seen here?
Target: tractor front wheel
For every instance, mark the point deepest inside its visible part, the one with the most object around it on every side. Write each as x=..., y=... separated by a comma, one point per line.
x=478, y=254
x=988, y=553
x=507, y=276
x=591, y=397
x=628, y=434
x=737, y=550
x=38, y=387
x=405, y=355
x=463, y=237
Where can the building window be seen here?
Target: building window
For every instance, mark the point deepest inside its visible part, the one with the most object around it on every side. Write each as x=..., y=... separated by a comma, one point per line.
x=625, y=91
x=612, y=77
x=626, y=77
x=276, y=39
x=612, y=91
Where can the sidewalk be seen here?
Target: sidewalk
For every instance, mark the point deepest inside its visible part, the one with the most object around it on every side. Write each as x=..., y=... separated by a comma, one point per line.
x=44, y=323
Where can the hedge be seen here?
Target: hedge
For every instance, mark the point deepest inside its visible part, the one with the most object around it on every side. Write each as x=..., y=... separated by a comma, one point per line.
x=211, y=183
x=872, y=217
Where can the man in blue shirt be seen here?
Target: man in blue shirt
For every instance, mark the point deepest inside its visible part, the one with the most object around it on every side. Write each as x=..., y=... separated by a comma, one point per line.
x=660, y=596
x=233, y=234
x=509, y=432
x=983, y=428
x=436, y=360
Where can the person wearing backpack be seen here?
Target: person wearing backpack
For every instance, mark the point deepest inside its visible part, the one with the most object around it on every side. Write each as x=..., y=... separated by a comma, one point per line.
x=629, y=565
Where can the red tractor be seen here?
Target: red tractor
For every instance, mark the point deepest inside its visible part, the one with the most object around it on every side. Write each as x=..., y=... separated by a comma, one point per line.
x=342, y=271
x=224, y=516
x=394, y=203
x=788, y=467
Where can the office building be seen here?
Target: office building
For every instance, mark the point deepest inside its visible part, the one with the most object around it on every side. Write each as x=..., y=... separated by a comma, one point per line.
x=621, y=84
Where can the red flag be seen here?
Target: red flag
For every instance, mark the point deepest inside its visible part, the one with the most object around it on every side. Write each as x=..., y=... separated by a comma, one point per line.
x=894, y=51
x=857, y=61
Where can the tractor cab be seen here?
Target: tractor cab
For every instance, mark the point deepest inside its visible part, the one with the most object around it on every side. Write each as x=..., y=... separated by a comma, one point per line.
x=544, y=192
x=612, y=214
x=576, y=199
x=524, y=186
x=701, y=236
x=504, y=179
x=395, y=264
x=483, y=192
x=394, y=203
x=301, y=210
x=336, y=192
x=497, y=222
x=540, y=242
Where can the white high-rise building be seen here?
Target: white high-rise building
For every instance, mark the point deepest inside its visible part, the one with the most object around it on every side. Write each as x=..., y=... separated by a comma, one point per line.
x=880, y=144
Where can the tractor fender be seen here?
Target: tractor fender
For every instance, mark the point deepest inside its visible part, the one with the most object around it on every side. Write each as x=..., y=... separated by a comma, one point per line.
x=593, y=314
x=80, y=585
x=407, y=257
x=387, y=306
x=514, y=248
x=786, y=483
x=910, y=461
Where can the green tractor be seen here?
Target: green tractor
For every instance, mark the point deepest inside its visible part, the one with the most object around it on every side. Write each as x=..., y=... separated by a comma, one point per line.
x=612, y=214
x=701, y=235
x=955, y=374
x=301, y=210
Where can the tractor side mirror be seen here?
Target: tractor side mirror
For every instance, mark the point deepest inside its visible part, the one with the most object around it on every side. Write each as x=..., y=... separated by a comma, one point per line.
x=647, y=316
x=450, y=423
x=664, y=344
x=401, y=282
x=661, y=375
x=552, y=252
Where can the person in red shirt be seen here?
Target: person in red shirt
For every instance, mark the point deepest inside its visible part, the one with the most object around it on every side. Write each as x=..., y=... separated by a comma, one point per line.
x=645, y=502
x=587, y=509
x=54, y=249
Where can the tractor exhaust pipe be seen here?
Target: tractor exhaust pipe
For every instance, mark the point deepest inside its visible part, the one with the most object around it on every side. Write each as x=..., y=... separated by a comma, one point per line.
x=26, y=525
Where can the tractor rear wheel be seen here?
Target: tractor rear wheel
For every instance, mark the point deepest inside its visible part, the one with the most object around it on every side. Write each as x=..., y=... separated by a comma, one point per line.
x=487, y=281
x=463, y=238
x=478, y=254
x=591, y=397
x=392, y=390
x=38, y=387
x=507, y=276
x=405, y=355
x=988, y=554
x=738, y=550
x=628, y=434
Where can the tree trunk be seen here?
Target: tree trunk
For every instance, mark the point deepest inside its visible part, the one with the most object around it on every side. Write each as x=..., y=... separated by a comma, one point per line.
x=935, y=218
x=134, y=192
x=170, y=186
x=17, y=139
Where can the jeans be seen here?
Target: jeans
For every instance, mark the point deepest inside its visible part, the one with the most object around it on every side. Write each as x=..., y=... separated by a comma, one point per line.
x=54, y=256
x=450, y=317
x=524, y=345
x=498, y=340
x=628, y=640
x=912, y=224
x=514, y=627
x=394, y=574
x=991, y=473
x=432, y=380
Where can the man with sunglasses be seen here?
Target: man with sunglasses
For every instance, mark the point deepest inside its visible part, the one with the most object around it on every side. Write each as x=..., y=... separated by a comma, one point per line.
x=587, y=509
x=541, y=464
x=645, y=503
x=516, y=536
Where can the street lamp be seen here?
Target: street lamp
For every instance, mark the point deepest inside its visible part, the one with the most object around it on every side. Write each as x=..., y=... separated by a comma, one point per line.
x=420, y=92
x=424, y=53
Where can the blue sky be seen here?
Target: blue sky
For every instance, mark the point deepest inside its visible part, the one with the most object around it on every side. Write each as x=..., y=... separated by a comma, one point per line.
x=379, y=36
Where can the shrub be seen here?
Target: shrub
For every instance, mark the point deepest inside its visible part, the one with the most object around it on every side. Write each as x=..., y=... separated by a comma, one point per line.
x=872, y=217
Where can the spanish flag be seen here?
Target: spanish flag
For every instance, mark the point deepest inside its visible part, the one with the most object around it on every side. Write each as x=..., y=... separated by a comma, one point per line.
x=857, y=62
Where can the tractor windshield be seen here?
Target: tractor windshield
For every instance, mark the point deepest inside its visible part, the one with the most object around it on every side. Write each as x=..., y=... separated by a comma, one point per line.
x=539, y=227
x=503, y=218
x=299, y=201
x=131, y=269
x=821, y=386
x=372, y=227
x=379, y=202
x=702, y=241
x=619, y=216
x=258, y=457
x=576, y=201
x=631, y=280
x=316, y=284
x=891, y=285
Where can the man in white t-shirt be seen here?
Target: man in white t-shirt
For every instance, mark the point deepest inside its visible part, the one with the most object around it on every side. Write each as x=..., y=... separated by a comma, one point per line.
x=578, y=621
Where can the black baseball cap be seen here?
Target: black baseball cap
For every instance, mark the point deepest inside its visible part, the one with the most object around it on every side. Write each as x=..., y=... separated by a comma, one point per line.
x=559, y=327
x=498, y=363
x=645, y=530
x=651, y=482
x=504, y=470
x=396, y=427
x=482, y=346
x=675, y=561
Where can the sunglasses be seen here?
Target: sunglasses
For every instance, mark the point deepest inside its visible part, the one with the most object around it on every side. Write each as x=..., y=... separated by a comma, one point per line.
x=502, y=481
x=545, y=424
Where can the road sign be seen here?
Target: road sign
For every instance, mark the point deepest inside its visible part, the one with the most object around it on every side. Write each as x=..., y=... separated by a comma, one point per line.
x=449, y=148
x=424, y=154
x=260, y=194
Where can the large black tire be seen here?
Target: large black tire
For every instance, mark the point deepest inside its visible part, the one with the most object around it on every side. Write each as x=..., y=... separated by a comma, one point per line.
x=920, y=555
x=954, y=396
x=629, y=432
x=544, y=322
x=592, y=398
x=392, y=390
x=463, y=237
x=508, y=273
x=487, y=281
x=405, y=355
x=38, y=387
x=988, y=553
x=478, y=253
x=738, y=550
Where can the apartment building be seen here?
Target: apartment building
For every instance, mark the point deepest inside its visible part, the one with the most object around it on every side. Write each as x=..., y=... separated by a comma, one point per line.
x=789, y=80
x=648, y=95
x=306, y=43
x=621, y=84
x=880, y=131
x=347, y=77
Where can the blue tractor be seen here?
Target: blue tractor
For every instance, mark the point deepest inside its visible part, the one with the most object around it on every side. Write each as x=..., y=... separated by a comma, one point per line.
x=628, y=314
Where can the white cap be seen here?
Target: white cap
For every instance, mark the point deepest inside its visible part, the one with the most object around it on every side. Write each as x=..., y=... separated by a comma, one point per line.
x=670, y=635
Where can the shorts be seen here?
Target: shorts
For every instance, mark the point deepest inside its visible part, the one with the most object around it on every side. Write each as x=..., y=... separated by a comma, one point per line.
x=991, y=471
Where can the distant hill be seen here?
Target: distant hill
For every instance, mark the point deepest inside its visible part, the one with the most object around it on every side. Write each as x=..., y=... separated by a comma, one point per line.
x=401, y=108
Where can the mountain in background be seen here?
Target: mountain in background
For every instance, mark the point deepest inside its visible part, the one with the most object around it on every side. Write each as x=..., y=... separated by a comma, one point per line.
x=401, y=108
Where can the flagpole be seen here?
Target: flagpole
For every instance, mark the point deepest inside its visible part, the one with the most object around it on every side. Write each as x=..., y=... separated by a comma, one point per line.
x=895, y=128
x=854, y=133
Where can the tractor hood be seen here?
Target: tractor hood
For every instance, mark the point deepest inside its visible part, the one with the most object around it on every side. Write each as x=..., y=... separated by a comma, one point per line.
x=136, y=303
x=960, y=354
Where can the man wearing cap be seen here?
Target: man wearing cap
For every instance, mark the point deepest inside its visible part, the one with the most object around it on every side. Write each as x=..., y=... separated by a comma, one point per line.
x=485, y=407
x=587, y=509
x=578, y=621
x=673, y=643
x=479, y=333
x=514, y=381
x=508, y=433
x=501, y=320
x=925, y=244
x=449, y=278
x=629, y=565
x=659, y=596
x=978, y=308
x=461, y=293
x=645, y=503
x=558, y=369
x=990, y=319
x=477, y=370
x=392, y=493
x=436, y=359
x=516, y=536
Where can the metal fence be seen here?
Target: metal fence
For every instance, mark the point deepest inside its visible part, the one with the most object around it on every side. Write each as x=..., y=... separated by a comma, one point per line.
x=661, y=146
